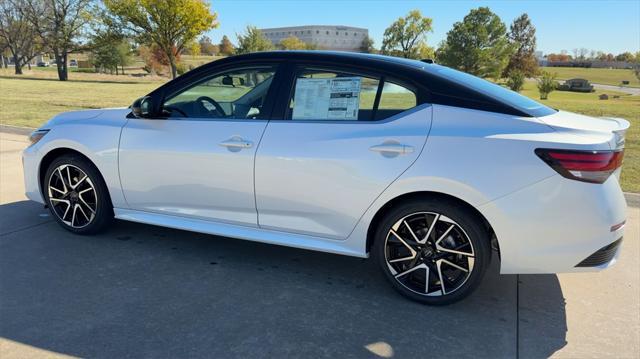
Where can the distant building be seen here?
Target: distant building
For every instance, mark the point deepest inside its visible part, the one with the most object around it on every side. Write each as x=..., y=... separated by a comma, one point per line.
x=341, y=38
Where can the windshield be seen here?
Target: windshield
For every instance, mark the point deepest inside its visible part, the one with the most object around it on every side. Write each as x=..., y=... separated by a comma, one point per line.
x=497, y=92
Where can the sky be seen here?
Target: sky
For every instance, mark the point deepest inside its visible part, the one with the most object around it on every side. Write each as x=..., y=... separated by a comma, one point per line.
x=609, y=26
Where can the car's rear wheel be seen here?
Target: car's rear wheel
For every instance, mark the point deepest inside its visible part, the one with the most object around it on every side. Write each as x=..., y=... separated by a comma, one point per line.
x=77, y=195
x=432, y=251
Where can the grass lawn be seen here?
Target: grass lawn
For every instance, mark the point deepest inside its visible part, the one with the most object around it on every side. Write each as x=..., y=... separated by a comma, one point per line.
x=597, y=76
x=35, y=97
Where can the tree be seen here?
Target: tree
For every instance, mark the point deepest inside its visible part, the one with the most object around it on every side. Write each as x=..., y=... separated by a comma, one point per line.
x=58, y=24
x=193, y=48
x=477, y=45
x=109, y=51
x=109, y=48
x=546, y=84
x=207, y=47
x=226, y=47
x=16, y=33
x=253, y=40
x=580, y=54
x=515, y=80
x=636, y=69
x=426, y=52
x=625, y=56
x=406, y=34
x=367, y=45
x=558, y=57
x=522, y=37
x=292, y=43
x=169, y=25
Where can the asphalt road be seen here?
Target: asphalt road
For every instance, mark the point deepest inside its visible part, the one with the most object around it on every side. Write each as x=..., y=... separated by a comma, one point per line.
x=635, y=91
x=144, y=291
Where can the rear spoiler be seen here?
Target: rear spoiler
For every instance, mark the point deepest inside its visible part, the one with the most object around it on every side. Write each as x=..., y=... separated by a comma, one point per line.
x=620, y=132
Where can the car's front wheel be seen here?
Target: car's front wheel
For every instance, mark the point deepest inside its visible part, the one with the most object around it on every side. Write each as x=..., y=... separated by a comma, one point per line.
x=77, y=195
x=432, y=251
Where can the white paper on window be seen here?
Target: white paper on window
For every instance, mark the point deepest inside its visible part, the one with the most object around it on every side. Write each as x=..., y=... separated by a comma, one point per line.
x=327, y=99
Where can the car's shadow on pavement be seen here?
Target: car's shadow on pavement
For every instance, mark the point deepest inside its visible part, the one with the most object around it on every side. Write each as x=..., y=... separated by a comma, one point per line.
x=145, y=291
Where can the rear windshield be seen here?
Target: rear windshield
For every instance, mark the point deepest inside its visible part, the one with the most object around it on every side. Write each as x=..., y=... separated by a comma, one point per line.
x=506, y=96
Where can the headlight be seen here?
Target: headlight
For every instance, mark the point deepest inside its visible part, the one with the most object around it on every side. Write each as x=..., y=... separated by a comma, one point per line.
x=37, y=135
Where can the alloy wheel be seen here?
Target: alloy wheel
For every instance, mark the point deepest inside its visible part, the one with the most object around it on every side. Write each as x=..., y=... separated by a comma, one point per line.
x=72, y=196
x=429, y=254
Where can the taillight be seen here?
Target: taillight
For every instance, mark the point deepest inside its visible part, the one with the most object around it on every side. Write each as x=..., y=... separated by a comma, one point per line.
x=586, y=166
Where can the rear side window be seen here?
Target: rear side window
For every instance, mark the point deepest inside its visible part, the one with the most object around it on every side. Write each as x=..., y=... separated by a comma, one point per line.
x=394, y=99
x=499, y=93
x=325, y=95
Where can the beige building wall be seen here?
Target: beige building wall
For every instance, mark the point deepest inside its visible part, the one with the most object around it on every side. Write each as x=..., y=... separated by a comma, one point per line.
x=341, y=38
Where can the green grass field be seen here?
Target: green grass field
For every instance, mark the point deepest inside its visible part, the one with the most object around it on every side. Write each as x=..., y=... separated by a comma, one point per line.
x=597, y=76
x=33, y=98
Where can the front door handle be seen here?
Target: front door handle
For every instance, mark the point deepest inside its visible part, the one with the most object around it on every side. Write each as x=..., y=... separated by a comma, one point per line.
x=395, y=148
x=236, y=142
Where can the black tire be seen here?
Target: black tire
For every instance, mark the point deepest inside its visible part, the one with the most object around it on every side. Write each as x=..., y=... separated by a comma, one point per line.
x=99, y=209
x=427, y=256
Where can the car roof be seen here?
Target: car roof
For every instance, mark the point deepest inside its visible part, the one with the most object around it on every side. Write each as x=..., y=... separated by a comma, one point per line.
x=338, y=56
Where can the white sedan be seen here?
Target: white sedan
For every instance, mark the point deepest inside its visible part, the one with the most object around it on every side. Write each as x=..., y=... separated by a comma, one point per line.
x=429, y=170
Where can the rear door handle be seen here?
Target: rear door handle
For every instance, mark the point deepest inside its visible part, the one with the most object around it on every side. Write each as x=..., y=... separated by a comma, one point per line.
x=392, y=148
x=236, y=142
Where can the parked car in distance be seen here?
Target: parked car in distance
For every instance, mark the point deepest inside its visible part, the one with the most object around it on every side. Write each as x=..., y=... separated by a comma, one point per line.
x=73, y=63
x=430, y=171
x=42, y=64
x=576, y=85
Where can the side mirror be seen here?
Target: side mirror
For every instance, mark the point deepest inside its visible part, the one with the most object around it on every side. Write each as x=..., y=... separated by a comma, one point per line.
x=227, y=81
x=232, y=81
x=142, y=107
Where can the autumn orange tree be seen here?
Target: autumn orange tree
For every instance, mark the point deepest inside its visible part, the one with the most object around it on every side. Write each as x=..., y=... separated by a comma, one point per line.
x=169, y=25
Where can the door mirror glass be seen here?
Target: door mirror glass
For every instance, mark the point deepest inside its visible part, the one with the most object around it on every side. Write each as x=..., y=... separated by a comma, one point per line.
x=142, y=107
x=233, y=81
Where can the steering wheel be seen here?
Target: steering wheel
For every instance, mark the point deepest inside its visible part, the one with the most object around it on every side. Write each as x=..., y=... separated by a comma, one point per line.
x=213, y=102
x=172, y=109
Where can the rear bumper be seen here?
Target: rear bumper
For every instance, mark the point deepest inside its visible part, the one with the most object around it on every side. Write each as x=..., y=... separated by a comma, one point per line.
x=556, y=224
x=603, y=257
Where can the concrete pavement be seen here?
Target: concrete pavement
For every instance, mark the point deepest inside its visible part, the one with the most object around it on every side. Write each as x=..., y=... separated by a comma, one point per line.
x=144, y=291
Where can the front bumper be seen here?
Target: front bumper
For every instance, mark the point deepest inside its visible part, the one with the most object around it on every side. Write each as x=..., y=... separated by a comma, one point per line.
x=556, y=224
x=31, y=168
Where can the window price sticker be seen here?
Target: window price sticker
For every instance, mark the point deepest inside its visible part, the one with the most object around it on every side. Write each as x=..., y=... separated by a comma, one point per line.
x=327, y=99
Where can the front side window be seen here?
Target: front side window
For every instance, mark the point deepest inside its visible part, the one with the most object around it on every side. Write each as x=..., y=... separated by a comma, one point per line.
x=343, y=96
x=236, y=94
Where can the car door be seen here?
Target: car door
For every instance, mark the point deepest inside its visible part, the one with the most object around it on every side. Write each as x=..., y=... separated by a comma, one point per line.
x=198, y=161
x=344, y=138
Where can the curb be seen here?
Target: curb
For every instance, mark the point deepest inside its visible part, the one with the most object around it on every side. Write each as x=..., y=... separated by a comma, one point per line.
x=633, y=199
x=16, y=130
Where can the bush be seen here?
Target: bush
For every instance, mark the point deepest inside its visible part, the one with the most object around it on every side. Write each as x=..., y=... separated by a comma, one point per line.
x=546, y=84
x=181, y=68
x=515, y=80
x=85, y=70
